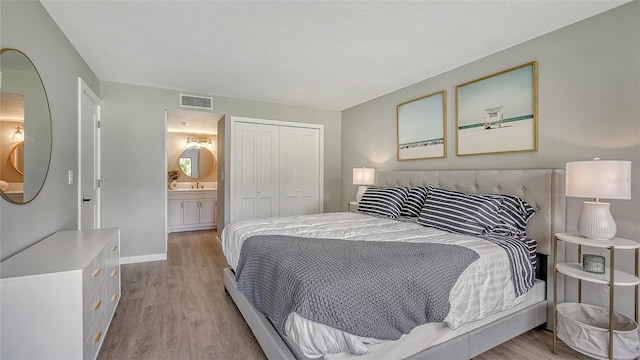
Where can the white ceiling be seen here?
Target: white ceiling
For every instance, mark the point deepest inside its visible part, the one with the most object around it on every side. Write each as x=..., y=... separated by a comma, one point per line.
x=323, y=54
x=192, y=122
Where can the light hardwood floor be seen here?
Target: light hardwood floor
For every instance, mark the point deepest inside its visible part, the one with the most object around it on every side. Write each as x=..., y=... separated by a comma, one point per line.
x=178, y=309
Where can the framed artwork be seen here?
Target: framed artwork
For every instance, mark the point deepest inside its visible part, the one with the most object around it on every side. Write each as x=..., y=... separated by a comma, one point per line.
x=422, y=127
x=498, y=113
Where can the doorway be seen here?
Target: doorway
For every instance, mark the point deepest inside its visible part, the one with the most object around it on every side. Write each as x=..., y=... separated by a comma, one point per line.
x=192, y=166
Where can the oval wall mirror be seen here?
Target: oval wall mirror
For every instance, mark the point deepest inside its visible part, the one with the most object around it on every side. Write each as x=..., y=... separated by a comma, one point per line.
x=197, y=163
x=25, y=128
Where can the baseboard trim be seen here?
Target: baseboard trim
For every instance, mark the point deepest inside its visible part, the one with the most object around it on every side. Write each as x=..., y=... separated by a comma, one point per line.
x=143, y=258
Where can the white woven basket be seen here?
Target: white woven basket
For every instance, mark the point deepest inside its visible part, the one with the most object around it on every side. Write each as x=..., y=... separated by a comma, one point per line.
x=585, y=328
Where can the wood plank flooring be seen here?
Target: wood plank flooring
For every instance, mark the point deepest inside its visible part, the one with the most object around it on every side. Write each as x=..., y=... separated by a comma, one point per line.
x=178, y=309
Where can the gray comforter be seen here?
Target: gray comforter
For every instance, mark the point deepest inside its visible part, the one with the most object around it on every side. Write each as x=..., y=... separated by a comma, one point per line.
x=372, y=289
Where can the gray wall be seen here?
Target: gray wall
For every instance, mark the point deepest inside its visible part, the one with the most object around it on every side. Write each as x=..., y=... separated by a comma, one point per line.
x=588, y=94
x=133, y=143
x=26, y=26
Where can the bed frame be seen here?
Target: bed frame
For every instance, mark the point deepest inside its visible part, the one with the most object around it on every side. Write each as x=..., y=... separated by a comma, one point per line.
x=541, y=188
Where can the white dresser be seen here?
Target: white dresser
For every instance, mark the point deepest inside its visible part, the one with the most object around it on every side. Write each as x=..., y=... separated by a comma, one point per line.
x=58, y=296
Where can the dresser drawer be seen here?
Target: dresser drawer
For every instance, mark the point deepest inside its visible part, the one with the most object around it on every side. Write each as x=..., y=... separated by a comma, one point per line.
x=112, y=258
x=92, y=275
x=113, y=248
x=112, y=262
x=96, y=337
x=92, y=310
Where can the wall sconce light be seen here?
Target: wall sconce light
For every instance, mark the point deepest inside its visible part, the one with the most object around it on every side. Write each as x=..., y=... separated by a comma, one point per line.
x=209, y=145
x=197, y=143
x=598, y=179
x=18, y=135
x=191, y=143
x=363, y=176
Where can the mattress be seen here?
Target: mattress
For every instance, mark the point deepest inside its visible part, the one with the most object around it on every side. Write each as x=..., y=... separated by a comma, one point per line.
x=483, y=289
x=428, y=335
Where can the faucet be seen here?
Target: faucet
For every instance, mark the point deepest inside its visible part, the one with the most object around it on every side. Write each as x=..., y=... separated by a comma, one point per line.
x=197, y=184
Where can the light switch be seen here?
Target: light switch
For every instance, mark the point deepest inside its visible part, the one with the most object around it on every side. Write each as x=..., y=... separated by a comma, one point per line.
x=70, y=177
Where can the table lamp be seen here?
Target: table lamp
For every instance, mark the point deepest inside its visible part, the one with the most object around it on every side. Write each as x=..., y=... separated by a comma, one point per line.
x=363, y=177
x=598, y=179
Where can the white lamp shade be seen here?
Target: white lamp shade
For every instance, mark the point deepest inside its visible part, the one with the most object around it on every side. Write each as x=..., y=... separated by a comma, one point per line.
x=364, y=176
x=599, y=179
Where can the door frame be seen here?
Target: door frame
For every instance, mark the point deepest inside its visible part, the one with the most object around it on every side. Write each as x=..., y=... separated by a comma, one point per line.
x=83, y=88
x=166, y=194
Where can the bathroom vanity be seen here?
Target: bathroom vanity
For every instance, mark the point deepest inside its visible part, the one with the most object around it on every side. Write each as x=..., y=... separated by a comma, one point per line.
x=191, y=209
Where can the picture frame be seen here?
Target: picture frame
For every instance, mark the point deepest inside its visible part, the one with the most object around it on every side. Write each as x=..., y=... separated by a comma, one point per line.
x=498, y=113
x=422, y=127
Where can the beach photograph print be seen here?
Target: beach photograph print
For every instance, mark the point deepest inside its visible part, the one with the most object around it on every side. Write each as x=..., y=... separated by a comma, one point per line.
x=422, y=127
x=498, y=113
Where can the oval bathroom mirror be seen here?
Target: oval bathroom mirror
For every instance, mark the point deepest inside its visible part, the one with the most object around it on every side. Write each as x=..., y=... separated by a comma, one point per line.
x=25, y=128
x=197, y=163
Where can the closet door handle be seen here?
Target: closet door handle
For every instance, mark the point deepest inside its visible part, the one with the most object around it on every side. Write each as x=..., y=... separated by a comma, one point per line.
x=84, y=200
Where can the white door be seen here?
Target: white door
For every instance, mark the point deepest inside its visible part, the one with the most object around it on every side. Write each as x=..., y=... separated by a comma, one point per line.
x=268, y=171
x=256, y=171
x=89, y=180
x=299, y=170
x=290, y=174
x=310, y=171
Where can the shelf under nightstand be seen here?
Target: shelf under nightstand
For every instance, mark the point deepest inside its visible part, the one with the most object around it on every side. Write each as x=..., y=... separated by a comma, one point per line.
x=611, y=277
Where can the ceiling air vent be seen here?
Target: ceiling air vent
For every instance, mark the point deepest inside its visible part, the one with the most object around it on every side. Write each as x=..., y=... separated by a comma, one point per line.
x=196, y=102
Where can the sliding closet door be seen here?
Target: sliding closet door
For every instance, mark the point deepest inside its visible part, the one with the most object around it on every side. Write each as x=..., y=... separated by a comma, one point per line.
x=276, y=169
x=268, y=171
x=299, y=170
x=255, y=178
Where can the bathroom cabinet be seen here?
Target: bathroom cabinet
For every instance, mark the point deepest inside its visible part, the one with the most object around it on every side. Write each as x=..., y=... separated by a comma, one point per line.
x=191, y=210
x=58, y=296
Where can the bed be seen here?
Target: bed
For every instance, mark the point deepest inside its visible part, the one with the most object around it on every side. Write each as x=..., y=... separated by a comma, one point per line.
x=464, y=339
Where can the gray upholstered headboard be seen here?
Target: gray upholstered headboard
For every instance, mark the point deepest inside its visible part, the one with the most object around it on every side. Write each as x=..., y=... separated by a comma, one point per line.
x=541, y=188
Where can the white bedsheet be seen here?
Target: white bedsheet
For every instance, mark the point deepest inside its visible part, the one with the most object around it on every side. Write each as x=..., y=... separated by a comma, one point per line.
x=484, y=288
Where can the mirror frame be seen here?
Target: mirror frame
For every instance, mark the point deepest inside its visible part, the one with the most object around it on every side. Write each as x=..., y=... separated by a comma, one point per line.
x=46, y=97
x=12, y=157
x=213, y=168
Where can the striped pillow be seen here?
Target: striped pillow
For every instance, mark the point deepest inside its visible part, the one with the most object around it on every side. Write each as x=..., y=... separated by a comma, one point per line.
x=532, y=245
x=416, y=196
x=383, y=201
x=459, y=212
x=514, y=215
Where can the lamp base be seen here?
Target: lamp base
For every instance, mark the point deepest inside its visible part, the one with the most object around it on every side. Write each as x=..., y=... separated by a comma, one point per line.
x=596, y=221
x=361, y=191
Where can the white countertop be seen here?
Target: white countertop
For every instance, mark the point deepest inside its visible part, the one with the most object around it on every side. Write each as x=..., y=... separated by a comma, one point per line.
x=183, y=190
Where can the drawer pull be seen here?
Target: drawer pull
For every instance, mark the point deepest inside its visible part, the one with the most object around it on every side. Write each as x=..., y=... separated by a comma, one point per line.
x=114, y=273
x=97, y=272
x=114, y=297
x=114, y=248
x=98, y=336
x=97, y=305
